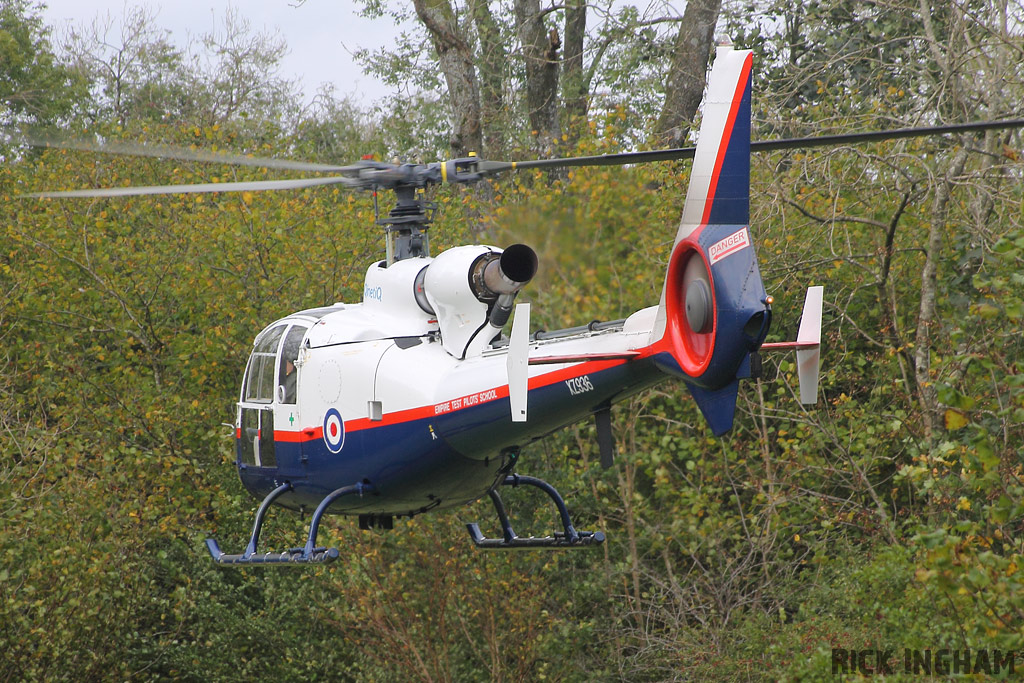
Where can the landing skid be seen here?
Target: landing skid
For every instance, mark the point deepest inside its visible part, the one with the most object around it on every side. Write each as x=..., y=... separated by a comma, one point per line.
x=570, y=538
x=309, y=554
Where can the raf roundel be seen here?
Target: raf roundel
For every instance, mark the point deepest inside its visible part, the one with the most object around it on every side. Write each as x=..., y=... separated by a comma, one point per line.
x=334, y=431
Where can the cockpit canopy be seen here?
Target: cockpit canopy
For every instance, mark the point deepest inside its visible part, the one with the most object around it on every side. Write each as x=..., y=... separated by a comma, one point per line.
x=271, y=373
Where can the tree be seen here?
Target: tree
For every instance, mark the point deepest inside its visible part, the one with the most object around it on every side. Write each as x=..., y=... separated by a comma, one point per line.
x=540, y=47
x=528, y=75
x=136, y=73
x=455, y=59
x=139, y=77
x=684, y=82
x=241, y=79
x=492, y=68
x=575, y=84
x=34, y=86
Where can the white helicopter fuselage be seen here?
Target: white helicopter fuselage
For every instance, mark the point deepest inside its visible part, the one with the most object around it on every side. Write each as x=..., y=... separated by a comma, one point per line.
x=417, y=402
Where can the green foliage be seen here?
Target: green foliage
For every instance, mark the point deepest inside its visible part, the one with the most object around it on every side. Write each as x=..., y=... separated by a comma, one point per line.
x=975, y=485
x=124, y=351
x=126, y=324
x=846, y=598
x=859, y=523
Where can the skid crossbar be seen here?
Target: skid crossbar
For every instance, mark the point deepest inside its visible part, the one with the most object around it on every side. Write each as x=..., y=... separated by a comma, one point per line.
x=569, y=538
x=308, y=554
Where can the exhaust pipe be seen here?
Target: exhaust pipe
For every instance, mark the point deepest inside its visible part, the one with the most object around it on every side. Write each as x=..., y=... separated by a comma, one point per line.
x=500, y=278
x=507, y=273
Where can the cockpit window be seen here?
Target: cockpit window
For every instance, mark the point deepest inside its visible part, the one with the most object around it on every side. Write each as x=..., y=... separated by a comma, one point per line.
x=289, y=353
x=259, y=381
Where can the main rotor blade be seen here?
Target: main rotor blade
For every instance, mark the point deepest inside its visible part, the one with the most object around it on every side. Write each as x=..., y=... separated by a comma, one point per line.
x=369, y=175
x=599, y=160
x=179, y=153
x=876, y=136
x=490, y=167
x=245, y=186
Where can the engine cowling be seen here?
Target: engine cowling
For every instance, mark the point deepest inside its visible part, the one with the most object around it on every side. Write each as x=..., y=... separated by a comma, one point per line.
x=471, y=289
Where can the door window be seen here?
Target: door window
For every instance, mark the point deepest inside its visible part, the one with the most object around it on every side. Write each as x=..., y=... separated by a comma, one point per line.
x=259, y=381
x=288, y=372
x=248, y=436
x=256, y=438
x=266, y=456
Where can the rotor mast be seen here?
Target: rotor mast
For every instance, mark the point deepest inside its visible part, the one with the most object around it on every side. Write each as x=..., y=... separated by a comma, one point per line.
x=405, y=228
x=406, y=225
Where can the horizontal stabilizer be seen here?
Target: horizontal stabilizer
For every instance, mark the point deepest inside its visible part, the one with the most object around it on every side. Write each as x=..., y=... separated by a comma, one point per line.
x=808, y=358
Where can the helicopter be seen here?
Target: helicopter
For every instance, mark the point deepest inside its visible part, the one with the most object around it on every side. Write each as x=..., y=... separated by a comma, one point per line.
x=414, y=400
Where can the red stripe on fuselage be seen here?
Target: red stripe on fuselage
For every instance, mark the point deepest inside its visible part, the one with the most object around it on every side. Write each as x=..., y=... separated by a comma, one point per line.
x=723, y=146
x=298, y=437
x=423, y=412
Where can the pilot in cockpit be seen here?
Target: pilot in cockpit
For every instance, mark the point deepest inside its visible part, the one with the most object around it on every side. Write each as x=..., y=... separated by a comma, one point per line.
x=288, y=370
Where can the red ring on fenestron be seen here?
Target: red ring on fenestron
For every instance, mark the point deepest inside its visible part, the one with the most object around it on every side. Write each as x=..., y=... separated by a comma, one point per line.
x=693, y=350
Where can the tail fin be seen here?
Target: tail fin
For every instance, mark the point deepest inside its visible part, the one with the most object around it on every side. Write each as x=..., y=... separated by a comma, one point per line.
x=719, y=191
x=714, y=312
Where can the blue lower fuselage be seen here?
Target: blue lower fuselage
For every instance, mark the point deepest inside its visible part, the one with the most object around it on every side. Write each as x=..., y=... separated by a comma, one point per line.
x=442, y=460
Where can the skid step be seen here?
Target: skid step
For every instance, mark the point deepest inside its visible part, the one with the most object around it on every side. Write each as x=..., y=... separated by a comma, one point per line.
x=569, y=538
x=310, y=553
x=291, y=556
x=558, y=540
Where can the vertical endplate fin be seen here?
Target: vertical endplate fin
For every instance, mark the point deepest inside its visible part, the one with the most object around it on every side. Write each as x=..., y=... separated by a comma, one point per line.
x=808, y=339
